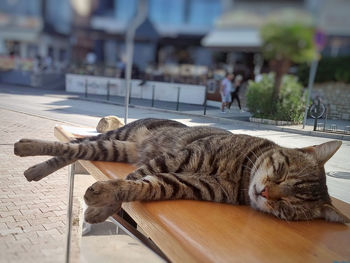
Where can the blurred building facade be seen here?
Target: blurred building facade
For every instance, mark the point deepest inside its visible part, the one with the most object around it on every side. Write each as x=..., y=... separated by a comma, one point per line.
x=236, y=31
x=171, y=34
x=201, y=33
x=35, y=30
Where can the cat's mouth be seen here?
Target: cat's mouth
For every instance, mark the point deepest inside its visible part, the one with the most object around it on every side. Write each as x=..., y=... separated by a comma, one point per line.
x=262, y=193
x=259, y=197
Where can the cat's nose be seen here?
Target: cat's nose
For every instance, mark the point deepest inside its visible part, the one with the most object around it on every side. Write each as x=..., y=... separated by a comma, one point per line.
x=265, y=193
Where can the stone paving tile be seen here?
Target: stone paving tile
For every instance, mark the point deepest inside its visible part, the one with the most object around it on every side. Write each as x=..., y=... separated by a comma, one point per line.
x=32, y=214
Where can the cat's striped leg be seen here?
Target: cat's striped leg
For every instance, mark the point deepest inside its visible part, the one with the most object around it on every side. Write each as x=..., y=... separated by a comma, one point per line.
x=162, y=186
x=41, y=170
x=33, y=147
x=101, y=150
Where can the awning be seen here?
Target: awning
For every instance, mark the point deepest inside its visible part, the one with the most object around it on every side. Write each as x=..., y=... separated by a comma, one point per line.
x=237, y=39
x=19, y=35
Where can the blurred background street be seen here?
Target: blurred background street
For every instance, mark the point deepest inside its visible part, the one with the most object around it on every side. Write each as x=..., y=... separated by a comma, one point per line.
x=182, y=51
x=71, y=62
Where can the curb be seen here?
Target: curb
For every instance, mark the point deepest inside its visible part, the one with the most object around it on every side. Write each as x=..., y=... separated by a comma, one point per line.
x=271, y=122
x=230, y=121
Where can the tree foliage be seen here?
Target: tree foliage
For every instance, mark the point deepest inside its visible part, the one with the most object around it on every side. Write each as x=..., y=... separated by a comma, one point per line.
x=330, y=69
x=290, y=41
x=287, y=39
x=290, y=106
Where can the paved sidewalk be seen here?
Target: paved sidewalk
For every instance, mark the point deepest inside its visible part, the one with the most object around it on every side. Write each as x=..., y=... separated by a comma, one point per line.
x=32, y=214
x=235, y=116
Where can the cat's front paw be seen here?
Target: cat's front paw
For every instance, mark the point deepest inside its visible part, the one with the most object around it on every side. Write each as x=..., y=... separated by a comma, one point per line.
x=102, y=193
x=95, y=215
x=26, y=147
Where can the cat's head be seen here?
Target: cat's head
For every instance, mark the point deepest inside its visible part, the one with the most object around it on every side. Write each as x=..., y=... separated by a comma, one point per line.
x=291, y=183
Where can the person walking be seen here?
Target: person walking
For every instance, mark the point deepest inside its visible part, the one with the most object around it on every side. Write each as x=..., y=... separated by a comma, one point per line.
x=235, y=94
x=225, y=89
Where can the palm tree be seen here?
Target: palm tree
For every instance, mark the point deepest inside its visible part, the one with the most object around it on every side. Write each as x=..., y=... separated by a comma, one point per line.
x=287, y=38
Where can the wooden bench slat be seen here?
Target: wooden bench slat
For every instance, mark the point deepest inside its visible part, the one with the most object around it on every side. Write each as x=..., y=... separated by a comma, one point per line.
x=193, y=231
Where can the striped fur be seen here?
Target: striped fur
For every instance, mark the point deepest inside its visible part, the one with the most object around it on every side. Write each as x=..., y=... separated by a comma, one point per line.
x=198, y=163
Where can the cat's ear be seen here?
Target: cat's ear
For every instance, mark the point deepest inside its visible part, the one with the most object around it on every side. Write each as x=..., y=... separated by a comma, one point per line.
x=324, y=151
x=332, y=214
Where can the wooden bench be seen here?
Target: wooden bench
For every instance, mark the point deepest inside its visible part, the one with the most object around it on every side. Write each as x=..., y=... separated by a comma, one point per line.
x=192, y=231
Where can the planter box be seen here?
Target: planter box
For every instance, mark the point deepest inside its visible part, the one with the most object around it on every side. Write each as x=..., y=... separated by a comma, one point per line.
x=272, y=122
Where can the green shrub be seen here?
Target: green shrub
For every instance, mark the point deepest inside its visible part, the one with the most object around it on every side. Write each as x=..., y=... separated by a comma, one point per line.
x=329, y=69
x=290, y=106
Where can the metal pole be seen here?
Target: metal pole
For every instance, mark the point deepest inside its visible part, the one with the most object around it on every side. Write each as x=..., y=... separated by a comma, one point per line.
x=108, y=91
x=315, y=123
x=153, y=92
x=312, y=75
x=325, y=121
x=130, y=92
x=130, y=34
x=86, y=88
x=205, y=100
x=71, y=170
x=178, y=99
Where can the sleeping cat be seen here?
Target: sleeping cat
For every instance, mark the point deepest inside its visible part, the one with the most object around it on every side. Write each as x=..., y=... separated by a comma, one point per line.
x=198, y=163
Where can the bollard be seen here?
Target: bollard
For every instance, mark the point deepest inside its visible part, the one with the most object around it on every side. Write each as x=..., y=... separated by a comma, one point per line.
x=205, y=100
x=315, y=122
x=86, y=88
x=108, y=91
x=333, y=127
x=178, y=99
x=326, y=117
x=153, y=91
x=347, y=129
x=130, y=92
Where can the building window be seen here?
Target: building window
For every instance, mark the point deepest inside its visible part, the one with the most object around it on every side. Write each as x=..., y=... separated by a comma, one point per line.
x=62, y=55
x=105, y=8
x=203, y=12
x=167, y=11
x=20, y=7
x=125, y=10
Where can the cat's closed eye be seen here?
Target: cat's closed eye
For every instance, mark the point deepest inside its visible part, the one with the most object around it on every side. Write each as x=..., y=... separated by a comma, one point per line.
x=279, y=174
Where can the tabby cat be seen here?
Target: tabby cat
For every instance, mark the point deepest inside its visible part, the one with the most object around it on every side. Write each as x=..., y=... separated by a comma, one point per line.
x=198, y=163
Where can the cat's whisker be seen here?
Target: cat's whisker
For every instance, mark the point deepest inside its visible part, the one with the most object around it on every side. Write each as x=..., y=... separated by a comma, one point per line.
x=301, y=171
x=248, y=168
x=304, y=212
x=254, y=166
x=256, y=157
x=290, y=205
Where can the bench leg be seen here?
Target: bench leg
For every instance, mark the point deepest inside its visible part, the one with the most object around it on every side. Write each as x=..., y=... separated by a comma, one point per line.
x=71, y=171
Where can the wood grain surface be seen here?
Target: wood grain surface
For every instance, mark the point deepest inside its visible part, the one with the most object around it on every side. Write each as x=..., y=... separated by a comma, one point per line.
x=194, y=231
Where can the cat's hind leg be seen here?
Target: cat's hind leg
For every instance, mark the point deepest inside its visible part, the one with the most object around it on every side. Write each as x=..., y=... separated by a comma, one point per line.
x=101, y=150
x=41, y=170
x=32, y=147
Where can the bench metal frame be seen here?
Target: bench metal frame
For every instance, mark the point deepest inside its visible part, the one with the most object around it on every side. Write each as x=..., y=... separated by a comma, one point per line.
x=116, y=219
